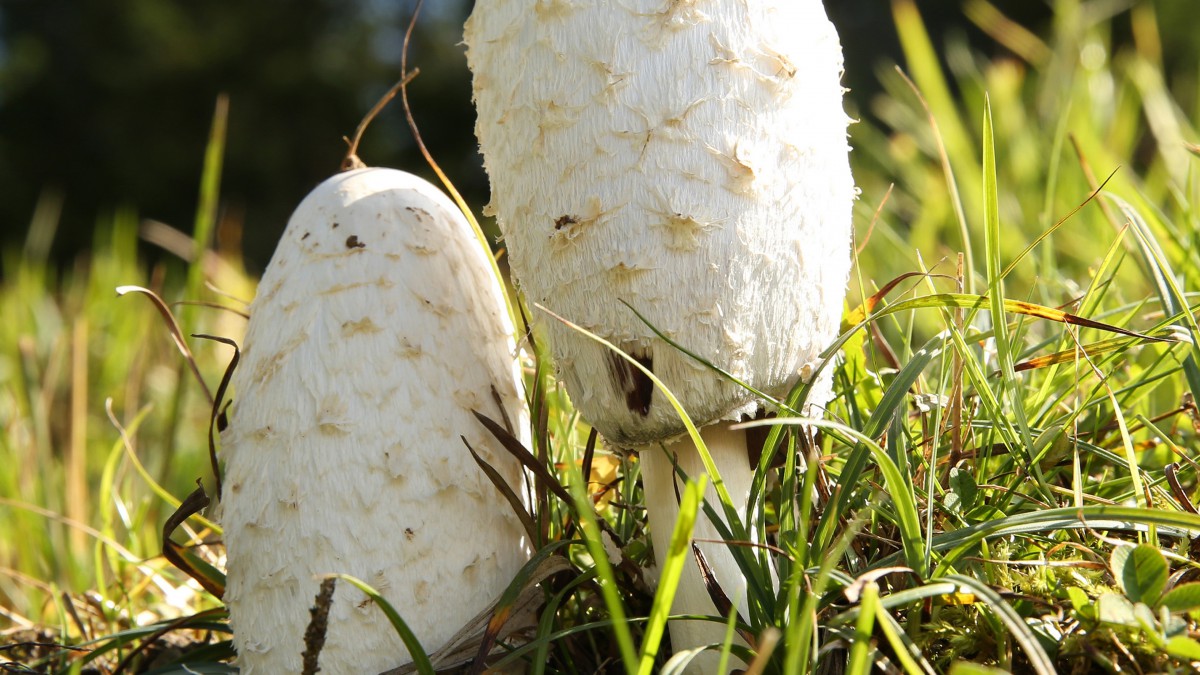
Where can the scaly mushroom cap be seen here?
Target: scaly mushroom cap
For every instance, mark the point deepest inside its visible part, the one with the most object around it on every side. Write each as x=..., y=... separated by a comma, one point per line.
x=688, y=157
x=377, y=328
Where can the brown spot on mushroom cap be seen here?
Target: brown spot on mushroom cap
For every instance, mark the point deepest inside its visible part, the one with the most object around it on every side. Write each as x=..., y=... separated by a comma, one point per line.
x=362, y=326
x=420, y=591
x=632, y=382
x=563, y=221
x=421, y=214
x=353, y=242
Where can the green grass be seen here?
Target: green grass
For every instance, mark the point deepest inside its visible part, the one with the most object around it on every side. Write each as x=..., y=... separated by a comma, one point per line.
x=1005, y=479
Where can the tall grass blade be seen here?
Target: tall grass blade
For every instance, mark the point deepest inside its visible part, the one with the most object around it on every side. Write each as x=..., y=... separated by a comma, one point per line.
x=924, y=64
x=898, y=486
x=419, y=658
x=210, y=194
x=995, y=277
x=864, y=447
x=604, y=572
x=734, y=520
x=670, y=572
x=863, y=630
x=1038, y=659
x=907, y=653
x=1165, y=282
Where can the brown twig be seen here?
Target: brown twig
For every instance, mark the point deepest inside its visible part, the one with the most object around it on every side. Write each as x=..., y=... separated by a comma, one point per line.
x=213, y=427
x=318, y=625
x=173, y=328
x=351, y=160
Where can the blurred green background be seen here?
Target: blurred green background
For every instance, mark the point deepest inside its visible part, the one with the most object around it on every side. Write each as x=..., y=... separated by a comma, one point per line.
x=105, y=104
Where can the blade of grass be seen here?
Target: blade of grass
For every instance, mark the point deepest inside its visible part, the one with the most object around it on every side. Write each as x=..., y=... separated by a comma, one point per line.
x=671, y=570
x=1050, y=230
x=923, y=63
x=206, y=209
x=521, y=590
x=861, y=648
x=1038, y=659
x=159, y=491
x=1123, y=518
x=604, y=573
x=546, y=624
x=1165, y=282
x=731, y=513
x=514, y=502
x=995, y=277
x=897, y=599
x=1126, y=441
x=419, y=658
x=898, y=487
x=762, y=658
x=437, y=169
x=906, y=652
x=176, y=333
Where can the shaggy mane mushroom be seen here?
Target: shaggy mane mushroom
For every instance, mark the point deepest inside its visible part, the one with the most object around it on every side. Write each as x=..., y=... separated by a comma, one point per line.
x=378, y=327
x=689, y=159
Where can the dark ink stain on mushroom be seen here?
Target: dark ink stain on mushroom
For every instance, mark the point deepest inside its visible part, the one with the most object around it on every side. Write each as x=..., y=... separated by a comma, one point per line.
x=353, y=242
x=409, y=534
x=420, y=213
x=223, y=416
x=632, y=382
x=564, y=221
x=335, y=226
x=305, y=236
x=756, y=439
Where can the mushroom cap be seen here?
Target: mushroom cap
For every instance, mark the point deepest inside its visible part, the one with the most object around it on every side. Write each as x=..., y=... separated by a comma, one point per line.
x=378, y=327
x=689, y=158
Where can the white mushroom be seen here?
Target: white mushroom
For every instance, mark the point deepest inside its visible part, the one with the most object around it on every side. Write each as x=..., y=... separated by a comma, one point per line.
x=690, y=158
x=378, y=327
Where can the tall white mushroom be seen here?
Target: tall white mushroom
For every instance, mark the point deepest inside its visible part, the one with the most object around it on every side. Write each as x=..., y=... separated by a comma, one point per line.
x=690, y=158
x=377, y=328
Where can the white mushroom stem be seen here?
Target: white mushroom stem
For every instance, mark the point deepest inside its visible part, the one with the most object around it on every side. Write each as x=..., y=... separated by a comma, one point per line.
x=729, y=452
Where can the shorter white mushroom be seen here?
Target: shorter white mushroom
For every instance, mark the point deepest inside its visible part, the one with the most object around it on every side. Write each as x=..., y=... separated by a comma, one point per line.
x=378, y=327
